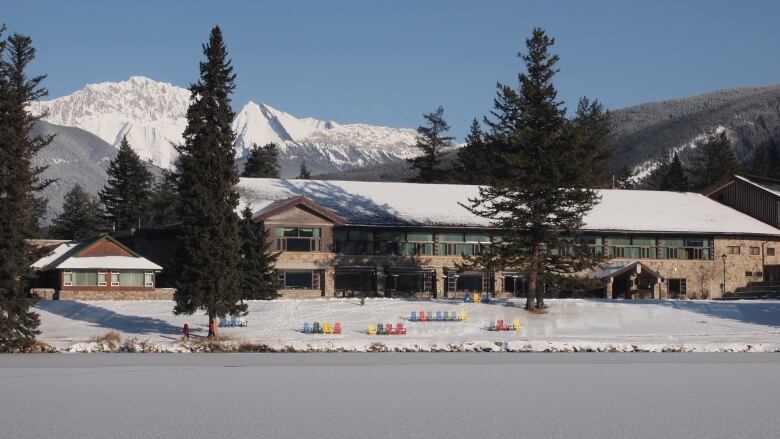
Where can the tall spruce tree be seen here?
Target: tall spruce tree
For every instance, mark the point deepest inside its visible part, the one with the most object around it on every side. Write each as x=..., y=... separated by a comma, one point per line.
x=128, y=190
x=263, y=162
x=713, y=161
x=473, y=164
x=669, y=175
x=20, y=182
x=81, y=216
x=164, y=203
x=431, y=142
x=766, y=162
x=591, y=130
x=624, y=179
x=538, y=197
x=259, y=280
x=304, y=173
x=211, y=245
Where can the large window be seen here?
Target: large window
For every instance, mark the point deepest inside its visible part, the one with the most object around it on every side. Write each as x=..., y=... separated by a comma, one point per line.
x=354, y=242
x=461, y=244
x=131, y=278
x=298, y=239
x=678, y=288
x=299, y=279
x=405, y=244
x=650, y=247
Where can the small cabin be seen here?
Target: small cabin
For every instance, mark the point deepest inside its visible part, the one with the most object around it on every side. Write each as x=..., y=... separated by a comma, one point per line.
x=97, y=268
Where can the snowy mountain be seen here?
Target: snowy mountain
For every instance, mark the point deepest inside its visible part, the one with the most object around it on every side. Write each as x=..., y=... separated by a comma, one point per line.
x=152, y=115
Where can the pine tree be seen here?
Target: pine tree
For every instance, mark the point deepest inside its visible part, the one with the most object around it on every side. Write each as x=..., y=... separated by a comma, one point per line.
x=766, y=162
x=669, y=175
x=208, y=275
x=624, y=179
x=431, y=142
x=591, y=130
x=164, y=203
x=259, y=279
x=262, y=162
x=473, y=165
x=81, y=216
x=537, y=195
x=304, y=173
x=713, y=161
x=126, y=195
x=20, y=182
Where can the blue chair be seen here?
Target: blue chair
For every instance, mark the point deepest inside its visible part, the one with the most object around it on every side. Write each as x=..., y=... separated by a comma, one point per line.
x=439, y=317
x=414, y=316
x=485, y=298
x=467, y=298
x=222, y=322
x=306, y=328
x=233, y=321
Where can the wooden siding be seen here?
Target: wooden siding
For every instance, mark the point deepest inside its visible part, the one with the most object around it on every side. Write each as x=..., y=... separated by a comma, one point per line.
x=750, y=200
x=105, y=248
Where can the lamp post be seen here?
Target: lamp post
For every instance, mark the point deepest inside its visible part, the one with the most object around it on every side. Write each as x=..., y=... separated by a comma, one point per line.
x=723, y=256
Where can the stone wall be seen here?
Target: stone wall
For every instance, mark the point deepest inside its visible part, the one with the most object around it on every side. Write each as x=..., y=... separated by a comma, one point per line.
x=156, y=294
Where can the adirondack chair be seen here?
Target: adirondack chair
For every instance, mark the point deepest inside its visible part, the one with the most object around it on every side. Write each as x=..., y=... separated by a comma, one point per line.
x=306, y=328
x=500, y=326
x=326, y=328
x=371, y=330
x=476, y=297
x=447, y=316
x=337, y=328
x=315, y=328
x=492, y=327
x=463, y=316
x=485, y=298
x=422, y=316
x=400, y=329
x=380, y=329
x=439, y=316
x=517, y=325
x=222, y=322
x=389, y=329
x=467, y=298
x=431, y=317
x=243, y=322
x=413, y=318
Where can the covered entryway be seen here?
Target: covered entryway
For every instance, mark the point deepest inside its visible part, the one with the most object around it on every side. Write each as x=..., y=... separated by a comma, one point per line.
x=629, y=280
x=355, y=280
x=410, y=281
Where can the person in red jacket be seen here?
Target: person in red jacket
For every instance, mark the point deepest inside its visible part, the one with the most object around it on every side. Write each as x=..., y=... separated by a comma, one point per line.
x=186, y=331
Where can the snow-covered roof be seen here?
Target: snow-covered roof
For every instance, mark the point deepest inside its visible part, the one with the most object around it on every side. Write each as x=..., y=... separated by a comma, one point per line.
x=766, y=184
x=414, y=204
x=109, y=262
x=66, y=256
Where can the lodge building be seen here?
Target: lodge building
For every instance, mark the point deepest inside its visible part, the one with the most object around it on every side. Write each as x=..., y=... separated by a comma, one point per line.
x=396, y=239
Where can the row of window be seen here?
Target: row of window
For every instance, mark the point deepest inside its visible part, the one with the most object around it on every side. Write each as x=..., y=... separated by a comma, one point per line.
x=99, y=278
x=754, y=251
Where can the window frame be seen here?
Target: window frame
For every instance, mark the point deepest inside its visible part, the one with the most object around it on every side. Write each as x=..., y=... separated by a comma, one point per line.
x=150, y=275
x=104, y=282
x=68, y=273
x=755, y=251
x=114, y=278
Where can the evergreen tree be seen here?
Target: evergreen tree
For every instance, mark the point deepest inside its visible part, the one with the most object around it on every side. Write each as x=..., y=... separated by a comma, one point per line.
x=624, y=179
x=473, y=165
x=208, y=274
x=669, y=175
x=713, y=161
x=81, y=216
x=259, y=279
x=591, y=130
x=431, y=142
x=537, y=196
x=19, y=184
x=304, y=173
x=263, y=162
x=164, y=203
x=126, y=195
x=766, y=162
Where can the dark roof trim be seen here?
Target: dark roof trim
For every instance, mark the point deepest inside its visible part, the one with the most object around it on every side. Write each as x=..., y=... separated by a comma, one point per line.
x=300, y=200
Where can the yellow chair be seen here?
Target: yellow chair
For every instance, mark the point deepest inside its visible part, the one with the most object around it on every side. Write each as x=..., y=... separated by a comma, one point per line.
x=476, y=297
x=517, y=325
x=463, y=316
x=326, y=328
x=371, y=330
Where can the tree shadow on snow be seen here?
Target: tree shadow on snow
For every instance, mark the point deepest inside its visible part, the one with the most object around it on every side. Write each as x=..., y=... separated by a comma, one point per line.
x=108, y=319
x=757, y=313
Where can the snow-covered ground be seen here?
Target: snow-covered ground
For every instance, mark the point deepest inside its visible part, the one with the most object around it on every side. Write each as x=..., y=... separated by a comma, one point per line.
x=569, y=325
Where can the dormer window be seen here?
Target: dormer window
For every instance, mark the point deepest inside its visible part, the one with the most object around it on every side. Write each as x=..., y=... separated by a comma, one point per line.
x=299, y=239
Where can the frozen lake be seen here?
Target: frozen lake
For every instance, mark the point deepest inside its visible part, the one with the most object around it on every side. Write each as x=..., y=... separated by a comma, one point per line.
x=390, y=395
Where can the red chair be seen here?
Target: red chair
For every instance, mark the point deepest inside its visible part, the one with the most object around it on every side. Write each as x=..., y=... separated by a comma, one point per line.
x=400, y=330
x=337, y=328
x=500, y=326
x=389, y=328
x=422, y=316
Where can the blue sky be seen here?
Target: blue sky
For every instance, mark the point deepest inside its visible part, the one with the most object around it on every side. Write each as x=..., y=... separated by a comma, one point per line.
x=388, y=62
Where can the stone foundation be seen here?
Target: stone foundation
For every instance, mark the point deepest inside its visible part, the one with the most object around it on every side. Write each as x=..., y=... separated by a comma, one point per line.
x=156, y=294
